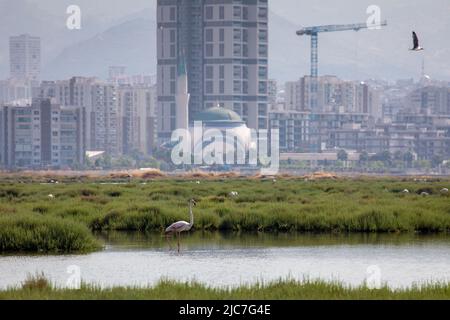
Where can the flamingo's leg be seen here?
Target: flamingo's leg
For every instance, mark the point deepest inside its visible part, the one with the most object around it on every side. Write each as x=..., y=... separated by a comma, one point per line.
x=179, y=234
x=167, y=238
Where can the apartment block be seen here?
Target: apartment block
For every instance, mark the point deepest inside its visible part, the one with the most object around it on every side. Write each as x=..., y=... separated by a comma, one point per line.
x=42, y=135
x=25, y=57
x=137, y=124
x=334, y=95
x=99, y=99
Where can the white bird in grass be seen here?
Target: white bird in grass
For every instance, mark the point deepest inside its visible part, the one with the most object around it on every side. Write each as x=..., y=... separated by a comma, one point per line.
x=444, y=191
x=181, y=226
x=234, y=194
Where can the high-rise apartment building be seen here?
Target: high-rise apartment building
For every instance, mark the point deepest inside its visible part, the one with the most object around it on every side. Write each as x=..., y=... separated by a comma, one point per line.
x=101, y=104
x=333, y=95
x=137, y=118
x=41, y=135
x=25, y=57
x=224, y=44
x=429, y=100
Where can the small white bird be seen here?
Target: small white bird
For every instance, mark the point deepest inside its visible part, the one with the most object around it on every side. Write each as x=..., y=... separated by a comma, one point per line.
x=50, y=196
x=233, y=194
x=444, y=191
x=198, y=182
x=424, y=194
x=416, y=45
x=405, y=191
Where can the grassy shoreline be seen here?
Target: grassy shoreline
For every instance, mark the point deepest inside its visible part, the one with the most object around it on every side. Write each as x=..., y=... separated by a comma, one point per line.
x=41, y=289
x=52, y=218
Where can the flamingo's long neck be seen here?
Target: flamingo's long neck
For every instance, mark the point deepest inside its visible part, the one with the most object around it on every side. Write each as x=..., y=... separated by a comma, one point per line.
x=191, y=214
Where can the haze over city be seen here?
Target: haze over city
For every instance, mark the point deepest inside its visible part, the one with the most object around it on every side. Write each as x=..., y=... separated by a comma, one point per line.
x=123, y=33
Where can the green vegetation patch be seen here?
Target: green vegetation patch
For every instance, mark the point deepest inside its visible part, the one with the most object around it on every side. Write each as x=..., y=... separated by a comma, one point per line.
x=24, y=233
x=38, y=288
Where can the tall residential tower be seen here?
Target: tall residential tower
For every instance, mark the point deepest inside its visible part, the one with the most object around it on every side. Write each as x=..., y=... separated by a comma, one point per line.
x=225, y=46
x=25, y=57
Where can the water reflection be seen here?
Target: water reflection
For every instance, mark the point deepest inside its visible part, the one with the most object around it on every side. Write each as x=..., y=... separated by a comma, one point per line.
x=205, y=240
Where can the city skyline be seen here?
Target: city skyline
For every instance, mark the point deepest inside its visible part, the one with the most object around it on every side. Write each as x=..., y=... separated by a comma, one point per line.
x=213, y=58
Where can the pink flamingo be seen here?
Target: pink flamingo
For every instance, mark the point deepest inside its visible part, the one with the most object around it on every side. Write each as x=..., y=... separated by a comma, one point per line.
x=181, y=226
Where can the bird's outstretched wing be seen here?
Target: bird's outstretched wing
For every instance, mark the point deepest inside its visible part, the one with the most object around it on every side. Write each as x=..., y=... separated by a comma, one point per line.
x=415, y=40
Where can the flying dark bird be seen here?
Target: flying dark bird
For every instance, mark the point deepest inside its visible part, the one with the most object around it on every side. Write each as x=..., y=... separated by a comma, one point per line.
x=416, y=45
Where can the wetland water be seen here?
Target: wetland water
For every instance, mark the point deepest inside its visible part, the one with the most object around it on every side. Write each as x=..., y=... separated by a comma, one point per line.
x=218, y=259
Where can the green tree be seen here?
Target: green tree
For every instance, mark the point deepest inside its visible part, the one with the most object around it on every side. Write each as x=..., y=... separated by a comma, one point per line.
x=437, y=160
x=342, y=155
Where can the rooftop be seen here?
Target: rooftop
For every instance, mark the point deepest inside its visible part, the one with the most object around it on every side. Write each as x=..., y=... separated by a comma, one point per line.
x=218, y=114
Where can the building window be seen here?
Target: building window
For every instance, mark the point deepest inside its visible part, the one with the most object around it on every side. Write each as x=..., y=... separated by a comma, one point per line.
x=245, y=50
x=262, y=34
x=209, y=36
x=245, y=35
x=245, y=87
x=222, y=13
x=222, y=50
x=262, y=72
x=222, y=87
x=209, y=12
x=262, y=87
x=237, y=34
x=209, y=50
x=237, y=12
x=209, y=87
x=245, y=13
x=262, y=13
x=222, y=72
x=237, y=50
x=173, y=16
x=245, y=72
x=237, y=86
x=262, y=50
x=209, y=72
x=222, y=35
x=262, y=110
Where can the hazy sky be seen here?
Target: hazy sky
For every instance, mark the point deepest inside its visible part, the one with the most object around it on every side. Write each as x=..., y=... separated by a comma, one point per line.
x=331, y=11
x=430, y=18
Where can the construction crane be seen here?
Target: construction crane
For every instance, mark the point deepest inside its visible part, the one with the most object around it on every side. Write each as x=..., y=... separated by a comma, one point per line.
x=314, y=33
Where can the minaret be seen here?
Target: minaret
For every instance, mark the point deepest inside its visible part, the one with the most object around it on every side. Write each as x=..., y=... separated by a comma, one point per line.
x=182, y=97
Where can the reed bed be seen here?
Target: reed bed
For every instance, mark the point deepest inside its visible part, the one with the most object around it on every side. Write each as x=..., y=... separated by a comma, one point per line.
x=266, y=205
x=39, y=288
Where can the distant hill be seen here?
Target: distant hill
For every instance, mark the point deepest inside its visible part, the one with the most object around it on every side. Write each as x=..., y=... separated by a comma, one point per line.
x=129, y=39
x=130, y=44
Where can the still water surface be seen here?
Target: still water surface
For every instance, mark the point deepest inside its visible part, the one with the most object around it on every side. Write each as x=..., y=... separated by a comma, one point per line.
x=232, y=259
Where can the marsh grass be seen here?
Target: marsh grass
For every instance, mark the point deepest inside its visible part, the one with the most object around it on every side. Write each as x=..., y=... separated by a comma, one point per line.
x=26, y=233
x=287, y=205
x=39, y=289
